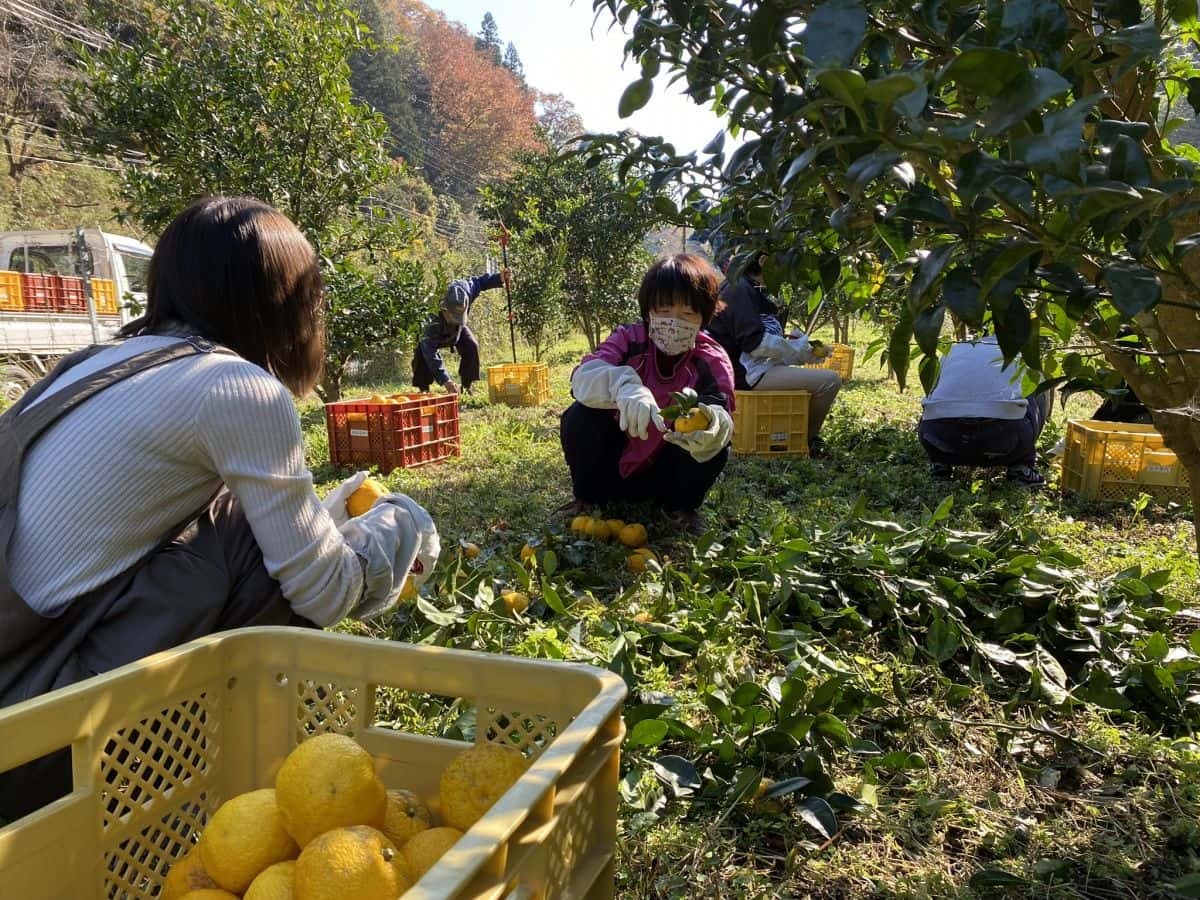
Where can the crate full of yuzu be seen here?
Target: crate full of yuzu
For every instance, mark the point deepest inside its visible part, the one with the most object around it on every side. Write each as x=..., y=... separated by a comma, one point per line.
x=279, y=762
x=392, y=432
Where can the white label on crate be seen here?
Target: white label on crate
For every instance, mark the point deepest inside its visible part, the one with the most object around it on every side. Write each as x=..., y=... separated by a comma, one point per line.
x=427, y=429
x=1161, y=470
x=358, y=432
x=778, y=436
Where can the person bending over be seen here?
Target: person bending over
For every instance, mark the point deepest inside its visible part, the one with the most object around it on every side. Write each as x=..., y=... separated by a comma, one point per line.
x=977, y=415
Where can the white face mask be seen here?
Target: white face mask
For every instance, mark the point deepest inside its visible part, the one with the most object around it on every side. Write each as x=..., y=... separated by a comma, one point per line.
x=673, y=336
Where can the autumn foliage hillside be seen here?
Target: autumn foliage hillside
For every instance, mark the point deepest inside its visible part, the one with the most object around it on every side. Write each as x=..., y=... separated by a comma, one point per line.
x=473, y=115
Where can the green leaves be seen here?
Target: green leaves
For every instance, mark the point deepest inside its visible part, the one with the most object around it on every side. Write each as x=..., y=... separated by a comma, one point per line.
x=847, y=86
x=1028, y=93
x=899, y=346
x=985, y=70
x=1132, y=288
x=634, y=97
x=833, y=33
x=961, y=293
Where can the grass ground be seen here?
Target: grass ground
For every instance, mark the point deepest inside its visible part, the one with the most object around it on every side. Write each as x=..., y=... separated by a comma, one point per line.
x=999, y=790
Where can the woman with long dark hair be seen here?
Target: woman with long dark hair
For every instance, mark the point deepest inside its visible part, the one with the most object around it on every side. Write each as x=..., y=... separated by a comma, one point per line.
x=153, y=489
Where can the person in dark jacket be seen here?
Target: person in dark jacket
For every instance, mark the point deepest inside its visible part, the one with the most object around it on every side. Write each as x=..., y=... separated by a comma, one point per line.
x=750, y=326
x=449, y=329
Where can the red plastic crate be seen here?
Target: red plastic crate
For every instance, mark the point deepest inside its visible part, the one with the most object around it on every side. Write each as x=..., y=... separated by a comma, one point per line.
x=408, y=431
x=39, y=292
x=70, y=295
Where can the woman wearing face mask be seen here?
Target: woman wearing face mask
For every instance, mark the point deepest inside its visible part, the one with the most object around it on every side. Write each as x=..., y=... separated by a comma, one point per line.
x=616, y=443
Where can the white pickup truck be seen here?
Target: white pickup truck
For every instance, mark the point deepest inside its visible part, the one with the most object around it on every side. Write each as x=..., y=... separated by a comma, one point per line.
x=32, y=340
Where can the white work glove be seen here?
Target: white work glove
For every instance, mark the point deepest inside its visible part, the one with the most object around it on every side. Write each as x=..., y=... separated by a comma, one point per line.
x=335, y=500
x=638, y=410
x=429, y=545
x=704, y=445
x=779, y=349
x=395, y=538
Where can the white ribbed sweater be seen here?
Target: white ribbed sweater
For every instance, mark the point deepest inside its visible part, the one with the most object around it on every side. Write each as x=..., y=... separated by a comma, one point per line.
x=107, y=482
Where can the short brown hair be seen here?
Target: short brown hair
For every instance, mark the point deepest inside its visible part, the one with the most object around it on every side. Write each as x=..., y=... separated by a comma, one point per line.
x=240, y=273
x=684, y=276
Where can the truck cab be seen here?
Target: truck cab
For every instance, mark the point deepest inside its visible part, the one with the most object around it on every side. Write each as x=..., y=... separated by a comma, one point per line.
x=32, y=340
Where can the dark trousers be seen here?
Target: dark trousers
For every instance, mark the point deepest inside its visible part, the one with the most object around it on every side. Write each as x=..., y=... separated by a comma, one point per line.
x=209, y=577
x=467, y=348
x=986, y=442
x=592, y=444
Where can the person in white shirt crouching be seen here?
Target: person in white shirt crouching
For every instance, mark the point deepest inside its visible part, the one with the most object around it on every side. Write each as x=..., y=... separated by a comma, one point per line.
x=977, y=415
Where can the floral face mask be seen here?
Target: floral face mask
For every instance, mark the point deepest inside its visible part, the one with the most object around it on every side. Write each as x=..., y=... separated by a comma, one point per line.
x=673, y=336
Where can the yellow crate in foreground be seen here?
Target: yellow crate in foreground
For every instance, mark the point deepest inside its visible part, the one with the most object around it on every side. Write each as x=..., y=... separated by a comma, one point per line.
x=840, y=360
x=519, y=384
x=1118, y=461
x=771, y=423
x=10, y=292
x=159, y=744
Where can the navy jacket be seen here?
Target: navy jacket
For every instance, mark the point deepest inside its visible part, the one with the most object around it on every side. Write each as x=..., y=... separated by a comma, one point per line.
x=443, y=331
x=738, y=325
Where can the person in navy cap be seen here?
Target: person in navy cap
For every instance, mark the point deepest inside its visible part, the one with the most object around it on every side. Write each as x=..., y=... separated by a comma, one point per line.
x=449, y=329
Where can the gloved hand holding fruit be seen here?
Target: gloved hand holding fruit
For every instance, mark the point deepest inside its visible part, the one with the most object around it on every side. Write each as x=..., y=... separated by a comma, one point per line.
x=701, y=429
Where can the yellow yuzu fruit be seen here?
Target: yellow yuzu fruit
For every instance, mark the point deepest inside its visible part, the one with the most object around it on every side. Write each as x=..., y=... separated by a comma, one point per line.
x=406, y=816
x=633, y=535
x=356, y=863
x=277, y=882
x=636, y=561
x=364, y=498
x=580, y=524
x=408, y=591
x=614, y=525
x=515, y=601
x=475, y=779
x=186, y=875
x=378, y=398
x=209, y=894
x=527, y=553
x=329, y=781
x=694, y=419
x=244, y=836
x=470, y=550
x=600, y=530
x=425, y=849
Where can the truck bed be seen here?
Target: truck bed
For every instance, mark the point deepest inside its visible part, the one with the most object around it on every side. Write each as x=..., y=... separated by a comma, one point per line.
x=48, y=334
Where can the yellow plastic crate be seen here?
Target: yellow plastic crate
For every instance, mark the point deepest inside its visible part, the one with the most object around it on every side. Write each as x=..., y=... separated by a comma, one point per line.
x=840, y=360
x=519, y=384
x=10, y=292
x=160, y=743
x=104, y=296
x=1118, y=461
x=771, y=423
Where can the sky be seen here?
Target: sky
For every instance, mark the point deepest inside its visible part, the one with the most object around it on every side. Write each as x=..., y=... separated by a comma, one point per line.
x=562, y=53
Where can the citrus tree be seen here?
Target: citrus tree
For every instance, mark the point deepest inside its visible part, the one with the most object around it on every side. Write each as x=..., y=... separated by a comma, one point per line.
x=577, y=212
x=1012, y=159
x=241, y=97
x=373, y=305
